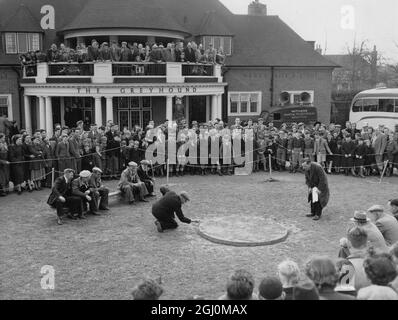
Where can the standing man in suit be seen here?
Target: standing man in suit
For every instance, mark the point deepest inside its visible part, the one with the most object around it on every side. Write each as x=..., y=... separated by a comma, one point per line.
x=99, y=190
x=190, y=55
x=62, y=153
x=379, y=146
x=61, y=196
x=318, y=188
x=74, y=151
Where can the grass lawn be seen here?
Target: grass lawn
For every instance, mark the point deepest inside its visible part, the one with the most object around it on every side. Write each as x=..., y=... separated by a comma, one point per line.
x=103, y=257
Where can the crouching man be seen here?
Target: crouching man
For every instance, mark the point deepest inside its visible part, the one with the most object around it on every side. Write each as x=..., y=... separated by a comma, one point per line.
x=81, y=188
x=99, y=191
x=61, y=196
x=164, y=210
x=131, y=185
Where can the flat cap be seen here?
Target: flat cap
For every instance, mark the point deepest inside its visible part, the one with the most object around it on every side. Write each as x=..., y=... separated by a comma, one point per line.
x=85, y=174
x=376, y=208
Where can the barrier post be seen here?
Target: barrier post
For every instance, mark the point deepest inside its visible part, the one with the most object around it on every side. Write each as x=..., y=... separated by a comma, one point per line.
x=384, y=170
x=168, y=164
x=52, y=177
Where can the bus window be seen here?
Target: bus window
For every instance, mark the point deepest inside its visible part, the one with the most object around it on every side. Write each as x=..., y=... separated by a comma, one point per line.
x=357, y=107
x=370, y=105
x=396, y=105
x=386, y=105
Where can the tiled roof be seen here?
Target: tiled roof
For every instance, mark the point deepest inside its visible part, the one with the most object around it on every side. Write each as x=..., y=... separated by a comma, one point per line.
x=212, y=25
x=148, y=14
x=21, y=21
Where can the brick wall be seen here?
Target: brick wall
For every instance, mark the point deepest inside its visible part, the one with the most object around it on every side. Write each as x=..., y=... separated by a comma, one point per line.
x=318, y=80
x=9, y=85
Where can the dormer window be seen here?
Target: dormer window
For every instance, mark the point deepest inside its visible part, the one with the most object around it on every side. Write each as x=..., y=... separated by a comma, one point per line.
x=218, y=42
x=17, y=42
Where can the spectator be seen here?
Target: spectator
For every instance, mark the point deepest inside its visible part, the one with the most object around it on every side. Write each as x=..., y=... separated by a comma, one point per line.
x=322, y=271
x=305, y=291
x=105, y=53
x=289, y=275
x=386, y=223
x=394, y=207
x=53, y=54
x=394, y=254
x=189, y=53
x=93, y=51
x=148, y=289
x=381, y=271
x=240, y=286
x=270, y=288
x=375, y=237
x=125, y=53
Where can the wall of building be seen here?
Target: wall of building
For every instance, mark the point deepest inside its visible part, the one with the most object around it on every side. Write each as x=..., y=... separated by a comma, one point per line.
x=9, y=85
x=259, y=79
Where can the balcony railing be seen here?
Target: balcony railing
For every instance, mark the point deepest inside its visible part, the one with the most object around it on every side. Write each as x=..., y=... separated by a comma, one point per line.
x=123, y=72
x=139, y=69
x=30, y=71
x=71, y=69
x=201, y=70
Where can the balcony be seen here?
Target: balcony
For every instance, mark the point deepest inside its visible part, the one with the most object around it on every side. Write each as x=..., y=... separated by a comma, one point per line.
x=122, y=72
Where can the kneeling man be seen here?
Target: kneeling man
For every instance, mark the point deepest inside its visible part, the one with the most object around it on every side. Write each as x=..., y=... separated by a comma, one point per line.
x=131, y=186
x=61, y=196
x=164, y=210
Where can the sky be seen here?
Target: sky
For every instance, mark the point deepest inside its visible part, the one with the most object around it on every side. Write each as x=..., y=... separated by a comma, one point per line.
x=336, y=24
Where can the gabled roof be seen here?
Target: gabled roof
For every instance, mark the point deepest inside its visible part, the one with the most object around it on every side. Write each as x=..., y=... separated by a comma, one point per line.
x=148, y=14
x=212, y=25
x=268, y=41
x=22, y=21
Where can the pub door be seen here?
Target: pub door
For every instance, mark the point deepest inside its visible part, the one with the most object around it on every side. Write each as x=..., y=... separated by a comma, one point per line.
x=197, y=109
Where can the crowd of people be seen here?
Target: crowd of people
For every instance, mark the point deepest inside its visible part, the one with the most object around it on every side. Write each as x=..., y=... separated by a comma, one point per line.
x=28, y=160
x=366, y=274
x=190, y=52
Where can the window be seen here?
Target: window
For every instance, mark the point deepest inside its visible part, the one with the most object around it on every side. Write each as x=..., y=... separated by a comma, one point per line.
x=217, y=42
x=357, y=107
x=6, y=106
x=396, y=105
x=244, y=103
x=386, y=105
x=370, y=105
x=22, y=42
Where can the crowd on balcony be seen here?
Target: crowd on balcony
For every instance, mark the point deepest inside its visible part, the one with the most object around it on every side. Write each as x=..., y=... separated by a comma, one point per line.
x=27, y=160
x=127, y=52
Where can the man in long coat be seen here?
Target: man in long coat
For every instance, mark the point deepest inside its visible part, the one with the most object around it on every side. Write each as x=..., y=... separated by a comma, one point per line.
x=131, y=186
x=318, y=188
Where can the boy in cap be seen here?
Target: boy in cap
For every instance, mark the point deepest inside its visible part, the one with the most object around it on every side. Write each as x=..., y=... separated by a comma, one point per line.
x=99, y=191
x=81, y=188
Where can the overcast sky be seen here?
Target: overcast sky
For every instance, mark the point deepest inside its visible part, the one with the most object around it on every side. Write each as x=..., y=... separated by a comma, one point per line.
x=324, y=22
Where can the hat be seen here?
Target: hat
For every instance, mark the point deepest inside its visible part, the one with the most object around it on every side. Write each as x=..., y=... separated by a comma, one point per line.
x=96, y=169
x=394, y=202
x=305, y=291
x=184, y=195
x=85, y=174
x=270, y=288
x=376, y=208
x=145, y=162
x=133, y=164
x=360, y=217
x=68, y=171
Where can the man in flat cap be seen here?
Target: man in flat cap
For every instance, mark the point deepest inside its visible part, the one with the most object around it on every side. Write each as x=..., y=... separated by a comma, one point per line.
x=99, y=191
x=131, y=185
x=81, y=188
x=61, y=196
x=165, y=209
x=386, y=223
x=145, y=178
x=393, y=203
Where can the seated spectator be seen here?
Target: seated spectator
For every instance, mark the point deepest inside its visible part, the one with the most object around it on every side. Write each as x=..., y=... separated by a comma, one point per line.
x=270, y=288
x=394, y=254
x=81, y=188
x=148, y=289
x=375, y=237
x=322, y=271
x=144, y=176
x=99, y=191
x=394, y=207
x=289, y=274
x=131, y=185
x=381, y=271
x=305, y=291
x=386, y=223
x=240, y=286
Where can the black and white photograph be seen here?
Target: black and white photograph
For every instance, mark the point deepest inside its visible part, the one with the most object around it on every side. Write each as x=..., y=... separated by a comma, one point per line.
x=198, y=151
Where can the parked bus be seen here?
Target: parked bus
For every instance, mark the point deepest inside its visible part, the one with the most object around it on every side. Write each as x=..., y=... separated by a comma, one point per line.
x=375, y=107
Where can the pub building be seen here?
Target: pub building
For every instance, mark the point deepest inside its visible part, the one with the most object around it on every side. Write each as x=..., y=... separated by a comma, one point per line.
x=267, y=64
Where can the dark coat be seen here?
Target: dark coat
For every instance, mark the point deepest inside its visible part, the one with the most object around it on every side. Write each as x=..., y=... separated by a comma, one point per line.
x=17, y=154
x=316, y=177
x=61, y=188
x=165, y=208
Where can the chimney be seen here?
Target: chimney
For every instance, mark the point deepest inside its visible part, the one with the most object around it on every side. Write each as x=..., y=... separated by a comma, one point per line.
x=257, y=9
x=318, y=49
